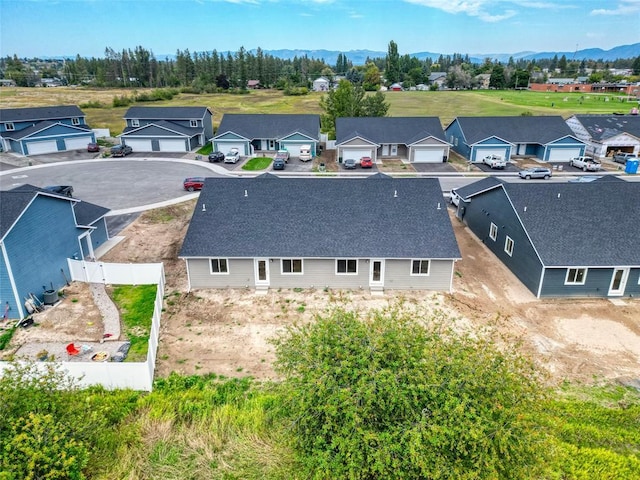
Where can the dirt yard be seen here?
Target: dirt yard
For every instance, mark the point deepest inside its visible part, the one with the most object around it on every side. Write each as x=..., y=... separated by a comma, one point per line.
x=227, y=331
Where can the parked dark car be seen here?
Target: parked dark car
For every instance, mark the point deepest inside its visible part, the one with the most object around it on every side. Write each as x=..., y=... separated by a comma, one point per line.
x=93, y=147
x=216, y=157
x=66, y=190
x=193, y=183
x=349, y=164
x=278, y=164
x=366, y=162
x=121, y=150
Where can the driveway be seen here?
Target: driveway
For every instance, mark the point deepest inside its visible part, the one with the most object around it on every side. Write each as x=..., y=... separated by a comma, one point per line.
x=433, y=167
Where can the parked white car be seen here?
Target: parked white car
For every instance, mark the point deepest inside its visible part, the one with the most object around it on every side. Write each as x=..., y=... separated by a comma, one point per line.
x=587, y=164
x=232, y=156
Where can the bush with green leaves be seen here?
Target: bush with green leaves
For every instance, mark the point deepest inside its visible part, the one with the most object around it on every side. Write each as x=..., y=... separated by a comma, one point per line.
x=388, y=396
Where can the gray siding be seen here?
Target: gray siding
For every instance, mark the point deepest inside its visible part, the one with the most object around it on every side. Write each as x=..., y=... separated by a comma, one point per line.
x=397, y=275
x=493, y=207
x=319, y=273
x=241, y=274
x=596, y=284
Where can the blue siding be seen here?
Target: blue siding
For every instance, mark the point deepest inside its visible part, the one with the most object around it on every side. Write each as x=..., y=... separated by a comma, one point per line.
x=56, y=130
x=493, y=207
x=100, y=234
x=596, y=284
x=633, y=284
x=453, y=135
x=6, y=292
x=40, y=243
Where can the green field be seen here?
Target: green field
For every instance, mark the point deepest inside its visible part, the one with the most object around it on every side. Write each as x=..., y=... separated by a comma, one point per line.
x=444, y=104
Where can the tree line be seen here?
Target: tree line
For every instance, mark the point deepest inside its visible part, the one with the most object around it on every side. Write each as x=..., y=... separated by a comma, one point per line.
x=214, y=71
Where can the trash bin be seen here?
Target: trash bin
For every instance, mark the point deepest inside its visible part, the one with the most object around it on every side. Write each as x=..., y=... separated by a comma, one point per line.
x=631, y=166
x=50, y=297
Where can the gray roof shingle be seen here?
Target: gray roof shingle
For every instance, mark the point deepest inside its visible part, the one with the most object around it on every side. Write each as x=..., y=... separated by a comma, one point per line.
x=25, y=132
x=268, y=126
x=541, y=129
x=166, y=113
x=377, y=217
x=38, y=114
x=602, y=127
x=402, y=130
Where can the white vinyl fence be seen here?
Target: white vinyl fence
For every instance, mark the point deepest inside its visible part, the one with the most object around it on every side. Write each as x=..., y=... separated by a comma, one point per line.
x=114, y=375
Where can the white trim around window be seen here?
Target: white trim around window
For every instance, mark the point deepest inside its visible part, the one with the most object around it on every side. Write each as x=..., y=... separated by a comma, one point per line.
x=193, y=123
x=575, y=276
x=75, y=121
x=346, y=266
x=420, y=268
x=493, y=231
x=9, y=126
x=135, y=122
x=219, y=266
x=291, y=266
x=508, y=246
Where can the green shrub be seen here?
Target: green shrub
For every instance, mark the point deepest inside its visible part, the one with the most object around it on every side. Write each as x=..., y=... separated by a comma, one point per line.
x=92, y=104
x=121, y=101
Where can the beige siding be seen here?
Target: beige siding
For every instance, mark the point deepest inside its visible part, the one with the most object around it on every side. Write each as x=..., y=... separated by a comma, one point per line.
x=397, y=275
x=241, y=274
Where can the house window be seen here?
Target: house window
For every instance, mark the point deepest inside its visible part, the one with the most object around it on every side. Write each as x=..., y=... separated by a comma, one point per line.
x=455, y=141
x=9, y=126
x=576, y=276
x=508, y=246
x=194, y=123
x=346, y=266
x=291, y=265
x=135, y=123
x=75, y=121
x=219, y=265
x=493, y=231
x=420, y=267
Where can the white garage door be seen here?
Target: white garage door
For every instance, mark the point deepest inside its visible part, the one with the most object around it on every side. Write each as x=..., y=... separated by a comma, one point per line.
x=293, y=149
x=37, y=148
x=139, y=145
x=483, y=152
x=428, y=155
x=356, y=153
x=76, y=143
x=224, y=147
x=172, y=146
x=563, y=154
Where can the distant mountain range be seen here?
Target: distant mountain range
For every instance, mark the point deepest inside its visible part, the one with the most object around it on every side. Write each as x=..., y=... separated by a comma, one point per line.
x=358, y=57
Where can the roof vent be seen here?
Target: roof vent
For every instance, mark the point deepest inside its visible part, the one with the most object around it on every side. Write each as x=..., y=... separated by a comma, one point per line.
x=246, y=194
x=525, y=208
x=558, y=194
x=204, y=207
x=439, y=206
x=395, y=194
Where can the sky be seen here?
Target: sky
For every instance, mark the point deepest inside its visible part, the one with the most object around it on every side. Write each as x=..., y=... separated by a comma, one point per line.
x=40, y=28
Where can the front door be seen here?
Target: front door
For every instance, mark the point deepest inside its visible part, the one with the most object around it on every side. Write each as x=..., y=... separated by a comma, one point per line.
x=262, y=272
x=272, y=145
x=385, y=150
x=394, y=150
x=618, y=281
x=376, y=273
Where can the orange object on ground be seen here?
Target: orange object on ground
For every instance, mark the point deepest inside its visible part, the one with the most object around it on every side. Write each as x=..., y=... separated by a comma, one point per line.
x=72, y=350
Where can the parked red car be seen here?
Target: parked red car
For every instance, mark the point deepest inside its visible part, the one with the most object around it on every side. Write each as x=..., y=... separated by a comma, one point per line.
x=366, y=162
x=93, y=147
x=193, y=183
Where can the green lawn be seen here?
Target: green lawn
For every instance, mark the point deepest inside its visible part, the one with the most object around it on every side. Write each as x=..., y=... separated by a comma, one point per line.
x=258, y=163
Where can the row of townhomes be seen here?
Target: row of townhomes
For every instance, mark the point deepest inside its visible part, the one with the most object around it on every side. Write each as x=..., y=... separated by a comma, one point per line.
x=559, y=239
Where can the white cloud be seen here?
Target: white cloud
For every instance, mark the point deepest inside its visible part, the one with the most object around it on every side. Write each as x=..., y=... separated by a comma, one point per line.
x=488, y=10
x=624, y=7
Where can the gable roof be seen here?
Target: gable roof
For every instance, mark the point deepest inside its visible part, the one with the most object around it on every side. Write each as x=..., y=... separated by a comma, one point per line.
x=16, y=200
x=161, y=127
x=520, y=129
x=40, y=126
x=266, y=126
x=478, y=187
x=404, y=130
x=436, y=75
x=268, y=216
x=580, y=224
x=166, y=113
x=602, y=127
x=38, y=114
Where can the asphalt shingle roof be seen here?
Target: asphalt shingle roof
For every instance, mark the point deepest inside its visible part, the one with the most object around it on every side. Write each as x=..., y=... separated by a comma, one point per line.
x=402, y=130
x=37, y=114
x=166, y=113
x=474, y=188
x=253, y=126
x=165, y=126
x=522, y=129
x=581, y=224
x=377, y=217
x=26, y=132
x=601, y=127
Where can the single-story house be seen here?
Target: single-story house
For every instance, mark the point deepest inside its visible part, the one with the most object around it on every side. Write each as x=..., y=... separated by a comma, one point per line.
x=414, y=139
x=547, y=138
x=438, y=78
x=250, y=133
x=167, y=129
x=39, y=130
x=321, y=84
x=39, y=231
x=370, y=233
x=560, y=239
x=607, y=134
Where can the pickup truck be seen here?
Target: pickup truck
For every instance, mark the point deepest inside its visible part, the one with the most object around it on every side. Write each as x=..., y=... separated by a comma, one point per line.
x=623, y=157
x=282, y=155
x=585, y=163
x=494, y=161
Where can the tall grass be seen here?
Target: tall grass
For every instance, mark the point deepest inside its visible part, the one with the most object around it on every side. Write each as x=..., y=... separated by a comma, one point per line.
x=136, y=304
